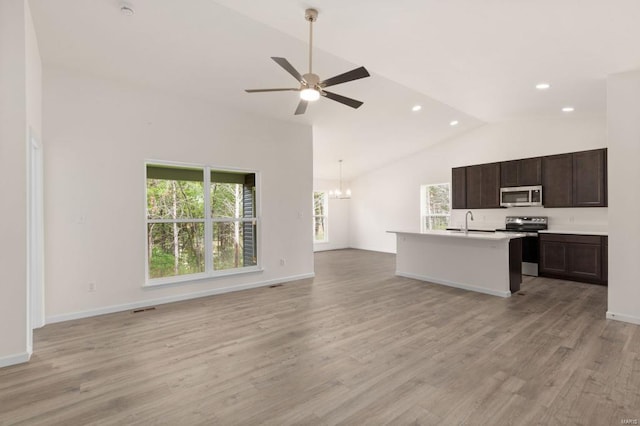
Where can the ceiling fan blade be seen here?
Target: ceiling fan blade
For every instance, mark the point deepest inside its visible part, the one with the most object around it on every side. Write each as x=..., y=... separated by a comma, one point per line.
x=289, y=68
x=269, y=90
x=302, y=107
x=347, y=76
x=342, y=99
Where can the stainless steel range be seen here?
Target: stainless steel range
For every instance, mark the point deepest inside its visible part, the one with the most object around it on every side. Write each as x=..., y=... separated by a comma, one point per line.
x=528, y=225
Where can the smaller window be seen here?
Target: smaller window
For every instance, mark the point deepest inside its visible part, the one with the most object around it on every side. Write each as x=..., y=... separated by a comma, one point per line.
x=435, y=206
x=320, y=217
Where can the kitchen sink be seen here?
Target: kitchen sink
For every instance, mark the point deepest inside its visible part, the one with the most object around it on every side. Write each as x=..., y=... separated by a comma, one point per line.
x=470, y=230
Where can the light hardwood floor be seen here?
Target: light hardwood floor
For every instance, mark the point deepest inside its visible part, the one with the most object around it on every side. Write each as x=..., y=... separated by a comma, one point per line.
x=356, y=345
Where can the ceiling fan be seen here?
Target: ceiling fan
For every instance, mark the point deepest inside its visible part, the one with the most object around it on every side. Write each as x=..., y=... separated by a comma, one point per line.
x=311, y=87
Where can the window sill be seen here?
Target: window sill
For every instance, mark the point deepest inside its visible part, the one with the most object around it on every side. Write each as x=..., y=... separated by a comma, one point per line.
x=191, y=278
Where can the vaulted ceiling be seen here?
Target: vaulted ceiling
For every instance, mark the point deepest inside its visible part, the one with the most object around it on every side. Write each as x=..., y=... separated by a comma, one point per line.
x=473, y=61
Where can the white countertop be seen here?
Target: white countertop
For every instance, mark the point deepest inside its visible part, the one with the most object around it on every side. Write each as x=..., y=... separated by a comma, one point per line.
x=435, y=257
x=476, y=235
x=574, y=232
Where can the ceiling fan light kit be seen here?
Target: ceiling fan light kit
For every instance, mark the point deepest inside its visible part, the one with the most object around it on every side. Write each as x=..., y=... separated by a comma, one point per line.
x=309, y=95
x=311, y=87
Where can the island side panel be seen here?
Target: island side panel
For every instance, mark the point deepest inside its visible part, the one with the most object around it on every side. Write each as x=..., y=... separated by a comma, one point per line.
x=515, y=264
x=467, y=263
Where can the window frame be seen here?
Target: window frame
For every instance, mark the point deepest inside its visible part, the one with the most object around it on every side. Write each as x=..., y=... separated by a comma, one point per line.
x=424, y=214
x=325, y=216
x=208, y=220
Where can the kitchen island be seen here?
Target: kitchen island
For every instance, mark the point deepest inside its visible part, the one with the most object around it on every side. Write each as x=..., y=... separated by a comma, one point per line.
x=485, y=262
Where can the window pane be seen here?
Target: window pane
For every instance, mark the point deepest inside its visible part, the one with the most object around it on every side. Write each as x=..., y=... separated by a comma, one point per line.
x=438, y=199
x=175, y=198
x=319, y=203
x=233, y=194
x=175, y=249
x=226, y=200
x=234, y=245
x=319, y=230
x=439, y=222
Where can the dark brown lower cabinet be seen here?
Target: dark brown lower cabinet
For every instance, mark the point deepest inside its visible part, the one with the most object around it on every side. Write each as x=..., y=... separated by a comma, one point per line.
x=553, y=257
x=573, y=257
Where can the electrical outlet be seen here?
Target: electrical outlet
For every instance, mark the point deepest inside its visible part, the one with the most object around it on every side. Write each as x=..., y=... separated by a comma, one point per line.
x=92, y=287
x=283, y=262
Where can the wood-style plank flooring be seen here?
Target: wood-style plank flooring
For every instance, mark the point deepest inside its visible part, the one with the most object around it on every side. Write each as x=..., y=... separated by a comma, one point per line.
x=356, y=345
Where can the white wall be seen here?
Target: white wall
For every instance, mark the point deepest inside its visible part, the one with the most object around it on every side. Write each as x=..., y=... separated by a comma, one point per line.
x=33, y=75
x=99, y=133
x=338, y=226
x=623, y=121
x=19, y=111
x=389, y=198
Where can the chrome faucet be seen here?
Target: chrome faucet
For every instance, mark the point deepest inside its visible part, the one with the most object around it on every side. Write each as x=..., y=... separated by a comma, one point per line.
x=466, y=222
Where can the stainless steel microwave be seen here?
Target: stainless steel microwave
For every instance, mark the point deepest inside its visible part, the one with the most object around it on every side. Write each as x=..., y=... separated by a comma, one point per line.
x=521, y=196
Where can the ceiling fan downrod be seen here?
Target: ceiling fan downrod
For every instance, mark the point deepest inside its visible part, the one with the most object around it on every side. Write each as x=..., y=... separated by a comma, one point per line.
x=311, y=15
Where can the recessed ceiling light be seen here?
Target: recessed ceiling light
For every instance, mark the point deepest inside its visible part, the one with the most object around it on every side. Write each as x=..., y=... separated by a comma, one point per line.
x=127, y=9
x=568, y=109
x=543, y=86
x=453, y=123
x=416, y=108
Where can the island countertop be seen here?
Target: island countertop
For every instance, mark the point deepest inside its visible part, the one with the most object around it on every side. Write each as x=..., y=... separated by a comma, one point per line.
x=474, y=235
x=486, y=262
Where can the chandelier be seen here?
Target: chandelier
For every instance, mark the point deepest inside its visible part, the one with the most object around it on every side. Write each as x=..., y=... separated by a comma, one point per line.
x=338, y=193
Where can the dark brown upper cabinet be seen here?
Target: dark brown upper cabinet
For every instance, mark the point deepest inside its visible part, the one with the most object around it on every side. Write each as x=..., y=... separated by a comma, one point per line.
x=474, y=187
x=483, y=186
x=557, y=180
x=577, y=179
x=459, y=188
x=509, y=173
x=530, y=172
x=590, y=178
x=490, y=198
x=527, y=172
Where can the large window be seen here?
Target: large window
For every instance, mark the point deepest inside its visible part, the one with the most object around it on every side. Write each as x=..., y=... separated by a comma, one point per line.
x=200, y=222
x=320, y=217
x=435, y=206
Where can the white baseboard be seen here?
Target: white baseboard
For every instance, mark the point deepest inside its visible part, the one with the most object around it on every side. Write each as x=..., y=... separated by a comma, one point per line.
x=329, y=246
x=454, y=284
x=623, y=318
x=15, y=359
x=170, y=299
